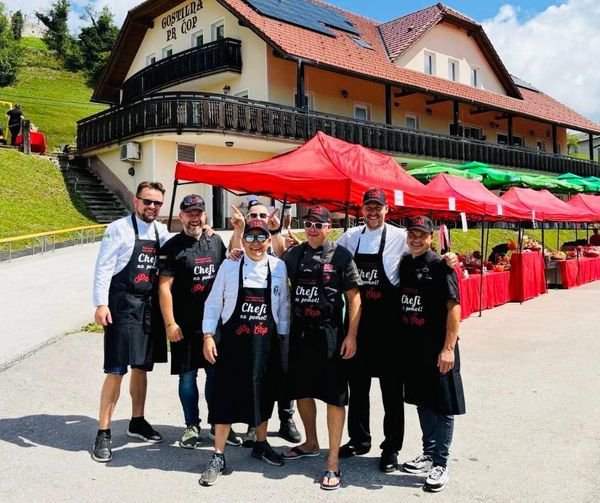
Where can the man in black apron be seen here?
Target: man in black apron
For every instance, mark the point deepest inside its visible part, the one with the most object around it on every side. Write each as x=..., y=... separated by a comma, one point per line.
x=188, y=264
x=377, y=249
x=321, y=275
x=430, y=308
x=256, y=210
x=250, y=297
x=124, y=286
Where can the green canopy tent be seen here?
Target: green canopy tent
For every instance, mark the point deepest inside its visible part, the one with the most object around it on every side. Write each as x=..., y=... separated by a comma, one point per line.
x=578, y=181
x=495, y=178
x=430, y=171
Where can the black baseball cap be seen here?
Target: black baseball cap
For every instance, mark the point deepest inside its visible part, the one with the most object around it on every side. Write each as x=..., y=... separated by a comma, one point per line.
x=374, y=195
x=257, y=224
x=192, y=202
x=319, y=213
x=420, y=223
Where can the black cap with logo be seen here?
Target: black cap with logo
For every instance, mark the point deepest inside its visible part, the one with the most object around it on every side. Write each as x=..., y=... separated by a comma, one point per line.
x=192, y=202
x=374, y=196
x=319, y=213
x=420, y=223
x=257, y=224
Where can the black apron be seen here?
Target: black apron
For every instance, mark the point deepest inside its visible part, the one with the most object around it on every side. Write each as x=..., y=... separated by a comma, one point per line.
x=423, y=332
x=191, y=286
x=316, y=368
x=247, y=372
x=128, y=340
x=376, y=349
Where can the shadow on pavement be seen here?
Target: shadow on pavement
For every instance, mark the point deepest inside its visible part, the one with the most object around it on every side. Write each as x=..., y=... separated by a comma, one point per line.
x=76, y=433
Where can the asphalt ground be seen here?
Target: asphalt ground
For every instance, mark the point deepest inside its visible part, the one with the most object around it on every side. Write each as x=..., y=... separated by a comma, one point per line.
x=531, y=432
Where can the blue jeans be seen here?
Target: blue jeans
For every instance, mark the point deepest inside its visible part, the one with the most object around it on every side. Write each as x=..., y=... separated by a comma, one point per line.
x=437, y=435
x=189, y=395
x=121, y=371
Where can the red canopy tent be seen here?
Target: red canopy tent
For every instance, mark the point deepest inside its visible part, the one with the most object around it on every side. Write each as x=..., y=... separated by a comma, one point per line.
x=545, y=206
x=473, y=192
x=587, y=203
x=324, y=170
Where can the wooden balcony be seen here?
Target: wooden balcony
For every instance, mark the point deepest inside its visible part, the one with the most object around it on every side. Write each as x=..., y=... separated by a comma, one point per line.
x=194, y=112
x=223, y=55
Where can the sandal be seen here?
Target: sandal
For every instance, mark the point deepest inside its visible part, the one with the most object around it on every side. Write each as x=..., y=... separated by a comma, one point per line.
x=299, y=453
x=330, y=475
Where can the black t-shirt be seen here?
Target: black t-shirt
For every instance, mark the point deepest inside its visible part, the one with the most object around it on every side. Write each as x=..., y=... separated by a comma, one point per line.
x=426, y=286
x=14, y=116
x=193, y=265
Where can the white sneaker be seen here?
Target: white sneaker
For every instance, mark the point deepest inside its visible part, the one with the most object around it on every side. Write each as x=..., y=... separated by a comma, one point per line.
x=437, y=479
x=421, y=464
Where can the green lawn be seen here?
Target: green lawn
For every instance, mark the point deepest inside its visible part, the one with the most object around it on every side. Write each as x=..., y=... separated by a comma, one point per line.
x=51, y=97
x=34, y=197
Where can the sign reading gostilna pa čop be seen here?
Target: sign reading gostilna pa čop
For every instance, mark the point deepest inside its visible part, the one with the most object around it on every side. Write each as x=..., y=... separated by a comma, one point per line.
x=181, y=21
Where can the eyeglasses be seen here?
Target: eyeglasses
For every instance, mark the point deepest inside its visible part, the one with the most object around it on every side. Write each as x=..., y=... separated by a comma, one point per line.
x=258, y=215
x=250, y=238
x=316, y=225
x=150, y=202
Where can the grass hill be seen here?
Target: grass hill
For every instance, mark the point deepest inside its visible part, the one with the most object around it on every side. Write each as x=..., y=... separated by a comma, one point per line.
x=35, y=197
x=51, y=97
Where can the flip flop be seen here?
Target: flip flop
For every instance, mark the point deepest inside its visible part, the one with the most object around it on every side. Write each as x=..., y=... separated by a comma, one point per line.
x=330, y=475
x=299, y=453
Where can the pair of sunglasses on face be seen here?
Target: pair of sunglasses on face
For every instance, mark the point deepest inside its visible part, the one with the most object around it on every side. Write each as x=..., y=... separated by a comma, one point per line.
x=250, y=238
x=316, y=225
x=258, y=215
x=150, y=202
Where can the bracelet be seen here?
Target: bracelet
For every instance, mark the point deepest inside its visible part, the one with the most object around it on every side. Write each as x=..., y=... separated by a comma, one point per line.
x=275, y=232
x=170, y=324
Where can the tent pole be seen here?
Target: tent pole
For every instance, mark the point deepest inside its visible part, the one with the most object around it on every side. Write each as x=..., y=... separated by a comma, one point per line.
x=543, y=255
x=347, y=215
x=587, y=232
x=282, y=213
x=481, y=278
x=577, y=252
x=175, y=183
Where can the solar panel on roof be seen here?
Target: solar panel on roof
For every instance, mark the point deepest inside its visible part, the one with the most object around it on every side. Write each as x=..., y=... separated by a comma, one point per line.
x=305, y=14
x=521, y=83
x=362, y=43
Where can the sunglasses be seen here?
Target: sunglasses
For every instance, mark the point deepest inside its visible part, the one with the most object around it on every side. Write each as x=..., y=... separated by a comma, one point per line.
x=258, y=215
x=150, y=202
x=250, y=238
x=316, y=225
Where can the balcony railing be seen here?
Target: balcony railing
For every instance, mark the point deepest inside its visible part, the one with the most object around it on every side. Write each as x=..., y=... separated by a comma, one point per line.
x=193, y=112
x=215, y=57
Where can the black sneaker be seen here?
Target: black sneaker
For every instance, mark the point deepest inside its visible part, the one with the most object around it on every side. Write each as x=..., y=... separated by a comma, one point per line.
x=143, y=430
x=262, y=450
x=388, y=462
x=232, y=439
x=350, y=450
x=216, y=466
x=289, y=432
x=102, y=451
x=421, y=464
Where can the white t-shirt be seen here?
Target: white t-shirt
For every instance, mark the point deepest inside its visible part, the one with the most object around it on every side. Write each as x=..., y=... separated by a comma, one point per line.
x=395, y=246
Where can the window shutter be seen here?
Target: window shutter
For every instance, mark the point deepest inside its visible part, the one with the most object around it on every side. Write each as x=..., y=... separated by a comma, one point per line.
x=186, y=153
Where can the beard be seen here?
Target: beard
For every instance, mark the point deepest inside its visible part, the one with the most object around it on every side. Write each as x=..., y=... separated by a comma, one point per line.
x=193, y=230
x=147, y=215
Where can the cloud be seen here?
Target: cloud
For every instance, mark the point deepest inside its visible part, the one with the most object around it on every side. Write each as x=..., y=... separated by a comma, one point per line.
x=557, y=50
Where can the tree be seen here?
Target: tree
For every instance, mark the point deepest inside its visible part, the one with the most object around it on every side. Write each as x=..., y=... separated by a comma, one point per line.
x=96, y=41
x=9, y=52
x=57, y=36
x=16, y=24
x=572, y=143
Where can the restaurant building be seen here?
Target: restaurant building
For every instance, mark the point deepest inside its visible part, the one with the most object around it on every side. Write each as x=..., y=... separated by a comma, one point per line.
x=229, y=81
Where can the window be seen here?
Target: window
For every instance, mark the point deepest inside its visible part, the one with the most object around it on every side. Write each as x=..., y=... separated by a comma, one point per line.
x=186, y=153
x=430, y=63
x=517, y=141
x=217, y=30
x=242, y=94
x=167, y=51
x=362, y=43
x=198, y=39
x=468, y=132
x=453, y=70
x=540, y=145
x=411, y=121
x=309, y=100
x=150, y=59
x=475, y=77
x=362, y=111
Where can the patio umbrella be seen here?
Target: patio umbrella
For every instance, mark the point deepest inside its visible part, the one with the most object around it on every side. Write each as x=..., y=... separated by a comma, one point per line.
x=428, y=172
x=495, y=178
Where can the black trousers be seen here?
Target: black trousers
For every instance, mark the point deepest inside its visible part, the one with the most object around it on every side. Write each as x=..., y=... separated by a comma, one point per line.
x=14, y=132
x=392, y=395
x=285, y=408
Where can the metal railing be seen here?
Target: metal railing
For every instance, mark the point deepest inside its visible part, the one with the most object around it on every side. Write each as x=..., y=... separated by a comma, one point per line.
x=192, y=112
x=215, y=57
x=43, y=242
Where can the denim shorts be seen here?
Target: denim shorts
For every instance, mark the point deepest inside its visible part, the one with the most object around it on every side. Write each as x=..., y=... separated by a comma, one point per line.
x=121, y=371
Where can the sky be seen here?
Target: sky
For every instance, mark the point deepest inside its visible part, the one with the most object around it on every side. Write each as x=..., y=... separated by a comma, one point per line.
x=554, y=45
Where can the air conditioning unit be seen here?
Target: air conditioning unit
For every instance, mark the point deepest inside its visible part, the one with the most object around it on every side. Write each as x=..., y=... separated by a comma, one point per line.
x=131, y=151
